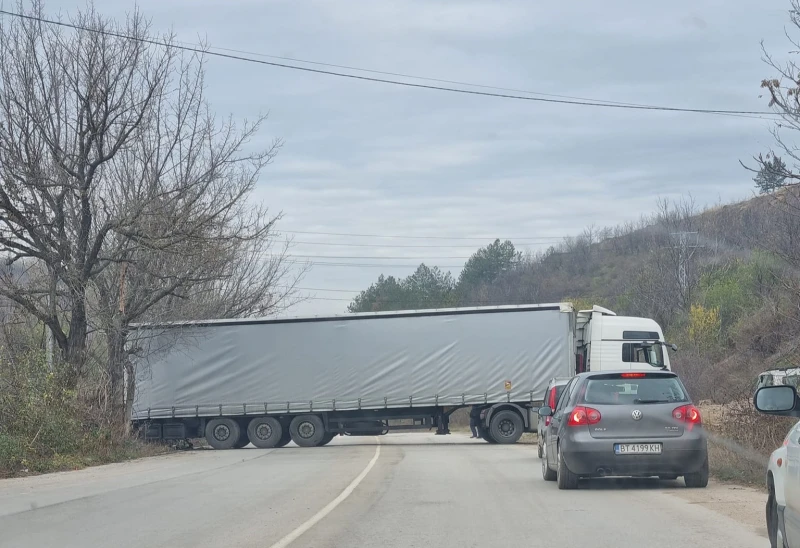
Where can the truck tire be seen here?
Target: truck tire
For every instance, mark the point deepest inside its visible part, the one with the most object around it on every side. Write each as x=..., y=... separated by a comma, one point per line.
x=506, y=426
x=327, y=439
x=307, y=430
x=222, y=433
x=486, y=436
x=285, y=438
x=265, y=432
x=243, y=440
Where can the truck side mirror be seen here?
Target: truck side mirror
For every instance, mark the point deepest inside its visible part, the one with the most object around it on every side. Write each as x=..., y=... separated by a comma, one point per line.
x=776, y=400
x=545, y=411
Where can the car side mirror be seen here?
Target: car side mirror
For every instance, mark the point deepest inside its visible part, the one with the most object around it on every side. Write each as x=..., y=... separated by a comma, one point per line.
x=777, y=400
x=545, y=411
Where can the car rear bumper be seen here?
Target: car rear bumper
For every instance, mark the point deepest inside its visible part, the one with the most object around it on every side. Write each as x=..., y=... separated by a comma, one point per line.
x=590, y=457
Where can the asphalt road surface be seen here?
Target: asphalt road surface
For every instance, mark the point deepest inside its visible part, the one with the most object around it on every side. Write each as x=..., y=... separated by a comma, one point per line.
x=401, y=490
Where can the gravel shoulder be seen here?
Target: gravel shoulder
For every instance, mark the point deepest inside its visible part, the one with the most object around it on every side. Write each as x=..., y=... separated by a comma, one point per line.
x=744, y=505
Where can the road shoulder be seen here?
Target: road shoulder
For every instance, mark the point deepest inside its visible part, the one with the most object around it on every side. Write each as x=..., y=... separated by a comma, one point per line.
x=745, y=505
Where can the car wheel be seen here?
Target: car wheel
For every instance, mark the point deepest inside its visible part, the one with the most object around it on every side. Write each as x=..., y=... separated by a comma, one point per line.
x=222, y=433
x=307, y=430
x=566, y=479
x=772, y=518
x=506, y=426
x=699, y=479
x=547, y=473
x=265, y=432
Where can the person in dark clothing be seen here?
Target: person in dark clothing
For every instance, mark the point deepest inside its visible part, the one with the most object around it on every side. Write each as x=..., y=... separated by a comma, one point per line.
x=475, y=421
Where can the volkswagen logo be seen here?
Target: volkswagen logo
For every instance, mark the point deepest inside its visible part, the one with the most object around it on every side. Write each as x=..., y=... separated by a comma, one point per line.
x=636, y=415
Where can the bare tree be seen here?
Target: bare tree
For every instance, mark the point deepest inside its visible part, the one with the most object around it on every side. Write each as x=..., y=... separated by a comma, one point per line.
x=247, y=275
x=112, y=167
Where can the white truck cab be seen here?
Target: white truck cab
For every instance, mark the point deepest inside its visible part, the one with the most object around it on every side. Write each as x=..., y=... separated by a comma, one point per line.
x=606, y=342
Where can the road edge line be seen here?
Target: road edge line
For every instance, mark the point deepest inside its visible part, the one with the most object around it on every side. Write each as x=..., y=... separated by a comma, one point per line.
x=313, y=520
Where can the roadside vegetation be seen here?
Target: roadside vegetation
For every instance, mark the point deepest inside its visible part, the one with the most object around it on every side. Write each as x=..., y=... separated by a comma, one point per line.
x=123, y=199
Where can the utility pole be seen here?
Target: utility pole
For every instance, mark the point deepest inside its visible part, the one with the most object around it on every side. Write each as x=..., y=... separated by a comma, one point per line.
x=48, y=331
x=686, y=244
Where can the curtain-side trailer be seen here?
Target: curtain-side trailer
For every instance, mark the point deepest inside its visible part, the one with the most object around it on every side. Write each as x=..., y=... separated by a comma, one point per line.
x=269, y=381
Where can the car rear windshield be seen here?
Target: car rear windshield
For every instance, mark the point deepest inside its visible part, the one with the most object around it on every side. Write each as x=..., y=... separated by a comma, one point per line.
x=627, y=390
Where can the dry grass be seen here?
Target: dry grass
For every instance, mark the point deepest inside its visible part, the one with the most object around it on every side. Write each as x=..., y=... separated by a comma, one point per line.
x=741, y=440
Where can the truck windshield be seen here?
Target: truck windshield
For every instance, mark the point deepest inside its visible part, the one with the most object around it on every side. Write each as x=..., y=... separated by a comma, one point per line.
x=643, y=352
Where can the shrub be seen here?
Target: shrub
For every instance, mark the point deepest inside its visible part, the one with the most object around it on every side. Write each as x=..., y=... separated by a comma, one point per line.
x=44, y=427
x=704, y=325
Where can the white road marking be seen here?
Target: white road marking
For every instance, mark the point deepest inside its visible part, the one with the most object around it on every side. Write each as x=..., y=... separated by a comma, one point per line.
x=308, y=524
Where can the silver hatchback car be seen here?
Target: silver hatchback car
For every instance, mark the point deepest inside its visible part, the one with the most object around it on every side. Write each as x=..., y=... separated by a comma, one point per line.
x=624, y=423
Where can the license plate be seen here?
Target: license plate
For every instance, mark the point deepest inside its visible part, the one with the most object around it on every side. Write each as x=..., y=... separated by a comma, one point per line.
x=637, y=448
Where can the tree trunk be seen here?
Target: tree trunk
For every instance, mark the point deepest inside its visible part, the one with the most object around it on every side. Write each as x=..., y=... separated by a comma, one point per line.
x=130, y=393
x=116, y=367
x=74, y=352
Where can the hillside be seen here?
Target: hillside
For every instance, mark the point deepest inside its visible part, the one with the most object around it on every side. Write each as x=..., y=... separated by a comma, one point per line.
x=722, y=281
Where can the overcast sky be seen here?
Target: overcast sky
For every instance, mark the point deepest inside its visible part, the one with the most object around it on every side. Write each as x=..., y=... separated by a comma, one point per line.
x=370, y=158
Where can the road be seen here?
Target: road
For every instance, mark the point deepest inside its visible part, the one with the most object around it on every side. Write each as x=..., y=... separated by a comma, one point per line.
x=401, y=490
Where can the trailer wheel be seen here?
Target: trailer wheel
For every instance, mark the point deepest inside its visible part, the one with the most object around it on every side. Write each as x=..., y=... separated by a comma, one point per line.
x=506, y=426
x=244, y=438
x=222, y=433
x=265, y=432
x=285, y=438
x=307, y=430
x=327, y=439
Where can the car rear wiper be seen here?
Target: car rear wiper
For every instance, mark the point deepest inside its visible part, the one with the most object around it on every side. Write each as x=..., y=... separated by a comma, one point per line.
x=650, y=401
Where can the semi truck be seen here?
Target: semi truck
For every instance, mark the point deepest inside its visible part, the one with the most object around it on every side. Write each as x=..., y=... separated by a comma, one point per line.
x=307, y=380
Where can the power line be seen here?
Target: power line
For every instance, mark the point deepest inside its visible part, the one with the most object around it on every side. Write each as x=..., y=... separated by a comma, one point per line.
x=415, y=77
x=322, y=289
x=384, y=265
x=497, y=302
x=373, y=257
x=406, y=246
x=205, y=51
x=407, y=237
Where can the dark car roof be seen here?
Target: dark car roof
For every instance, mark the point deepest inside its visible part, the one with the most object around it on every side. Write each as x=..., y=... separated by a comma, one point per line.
x=660, y=372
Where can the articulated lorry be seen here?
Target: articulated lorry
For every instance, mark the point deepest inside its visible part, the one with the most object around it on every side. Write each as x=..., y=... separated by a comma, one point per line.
x=269, y=381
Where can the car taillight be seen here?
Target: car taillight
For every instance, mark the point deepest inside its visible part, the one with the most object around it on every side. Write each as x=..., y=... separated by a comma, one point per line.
x=551, y=403
x=581, y=416
x=688, y=414
x=633, y=375
x=552, y=399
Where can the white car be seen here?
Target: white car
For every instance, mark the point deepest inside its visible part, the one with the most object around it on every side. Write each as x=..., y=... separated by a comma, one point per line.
x=783, y=471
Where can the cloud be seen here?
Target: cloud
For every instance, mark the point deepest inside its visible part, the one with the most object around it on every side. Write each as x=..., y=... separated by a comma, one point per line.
x=372, y=158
